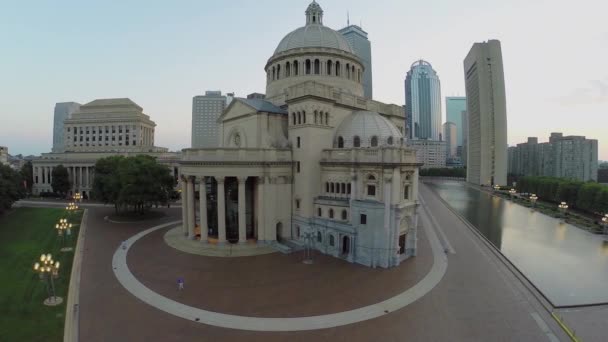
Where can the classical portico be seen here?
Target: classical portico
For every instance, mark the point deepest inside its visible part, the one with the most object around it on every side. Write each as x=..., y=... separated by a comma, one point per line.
x=237, y=196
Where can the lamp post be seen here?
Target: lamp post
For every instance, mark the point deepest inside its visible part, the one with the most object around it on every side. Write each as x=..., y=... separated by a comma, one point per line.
x=605, y=223
x=512, y=192
x=308, y=236
x=496, y=188
x=64, y=230
x=48, y=271
x=77, y=197
x=562, y=209
x=533, y=199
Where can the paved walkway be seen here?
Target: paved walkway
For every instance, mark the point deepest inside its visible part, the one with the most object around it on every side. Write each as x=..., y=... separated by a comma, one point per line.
x=176, y=239
x=126, y=278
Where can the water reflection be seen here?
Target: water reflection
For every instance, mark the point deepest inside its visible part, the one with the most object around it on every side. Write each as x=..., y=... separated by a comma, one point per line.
x=568, y=265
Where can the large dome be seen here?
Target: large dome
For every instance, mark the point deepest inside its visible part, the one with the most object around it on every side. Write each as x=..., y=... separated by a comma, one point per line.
x=371, y=128
x=314, y=35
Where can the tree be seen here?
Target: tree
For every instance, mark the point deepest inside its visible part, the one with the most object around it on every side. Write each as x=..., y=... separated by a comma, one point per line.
x=11, y=187
x=132, y=183
x=27, y=174
x=61, y=180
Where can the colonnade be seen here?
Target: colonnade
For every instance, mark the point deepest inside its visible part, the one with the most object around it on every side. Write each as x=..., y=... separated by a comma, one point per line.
x=81, y=177
x=188, y=183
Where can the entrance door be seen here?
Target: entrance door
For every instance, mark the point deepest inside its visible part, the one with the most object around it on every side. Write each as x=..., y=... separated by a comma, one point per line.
x=279, y=231
x=402, y=243
x=345, y=245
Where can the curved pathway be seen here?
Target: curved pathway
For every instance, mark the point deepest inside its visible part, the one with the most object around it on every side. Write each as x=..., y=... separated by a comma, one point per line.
x=135, y=287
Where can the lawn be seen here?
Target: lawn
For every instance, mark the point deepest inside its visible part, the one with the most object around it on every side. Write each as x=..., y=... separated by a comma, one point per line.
x=26, y=233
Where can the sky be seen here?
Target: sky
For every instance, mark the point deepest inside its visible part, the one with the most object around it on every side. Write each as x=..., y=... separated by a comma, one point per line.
x=162, y=53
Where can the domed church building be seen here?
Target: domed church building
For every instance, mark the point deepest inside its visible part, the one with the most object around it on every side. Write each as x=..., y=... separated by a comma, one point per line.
x=314, y=163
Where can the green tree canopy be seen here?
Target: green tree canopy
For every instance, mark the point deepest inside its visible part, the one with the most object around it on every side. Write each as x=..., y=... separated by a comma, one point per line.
x=132, y=183
x=61, y=180
x=11, y=187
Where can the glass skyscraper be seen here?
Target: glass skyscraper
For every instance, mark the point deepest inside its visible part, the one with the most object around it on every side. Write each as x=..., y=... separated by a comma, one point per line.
x=423, y=102
x=454, y=108
x=206, y=109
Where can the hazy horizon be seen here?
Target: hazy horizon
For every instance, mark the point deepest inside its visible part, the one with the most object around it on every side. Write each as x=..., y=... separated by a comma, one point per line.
x=161, y=54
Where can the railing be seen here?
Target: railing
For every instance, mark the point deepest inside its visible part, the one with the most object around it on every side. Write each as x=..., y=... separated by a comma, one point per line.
x=370, y=155
x=236, y=154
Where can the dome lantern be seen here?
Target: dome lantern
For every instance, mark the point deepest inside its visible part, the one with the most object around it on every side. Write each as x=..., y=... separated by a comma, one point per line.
x=314, y=14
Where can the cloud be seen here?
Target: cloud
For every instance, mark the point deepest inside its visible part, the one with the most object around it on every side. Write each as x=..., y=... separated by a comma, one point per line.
x=596, y=92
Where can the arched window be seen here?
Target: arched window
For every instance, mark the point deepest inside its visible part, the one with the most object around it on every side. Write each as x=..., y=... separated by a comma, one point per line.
x=314, y=19
x=294, y=118
x=389, y=140
x=371, y=186
x=315, y=114
x=344, y=215
x=299, y=118
x=329, y=67
x=287, y=69
x=327, y=187
x=331, y=240
x=356, y=141
x=347, y=70
x=296, y=64
x=297, y=203
x=273, y=74
x=304, y=116
x=340, y=142
x=320, y=212
x=348, y=188
x=278, y=71
x=374, y=141
x=406, y=192
x=327, y=118
x=353, y=72
x=317, y=67
x=343, y=188
x=371, y=178
x=319, y=237
x=337, y=68
x=360, y=76
x=331, y=213
x=332, y=188
x=308, y=67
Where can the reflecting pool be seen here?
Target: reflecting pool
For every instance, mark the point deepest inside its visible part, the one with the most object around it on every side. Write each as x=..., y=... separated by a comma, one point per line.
x=567, y=264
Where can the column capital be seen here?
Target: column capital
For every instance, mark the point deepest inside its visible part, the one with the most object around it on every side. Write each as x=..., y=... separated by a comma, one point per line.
x=242, y=179
x=201, y=179
x=190, y=179
x=220, y=180
x=261, y=179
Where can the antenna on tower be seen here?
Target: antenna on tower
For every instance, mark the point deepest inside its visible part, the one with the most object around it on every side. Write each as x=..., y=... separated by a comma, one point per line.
x=347, y=19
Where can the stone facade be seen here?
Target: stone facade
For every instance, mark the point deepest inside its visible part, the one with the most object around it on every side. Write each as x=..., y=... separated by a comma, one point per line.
x=315, y=163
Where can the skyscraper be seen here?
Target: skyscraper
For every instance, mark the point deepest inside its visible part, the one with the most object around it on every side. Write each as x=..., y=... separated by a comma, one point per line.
x=357, y=38
x=63, y=111
x=454, y=106
x=423, y=101
x=449, y=135
x=206, y=109
x=487, y=114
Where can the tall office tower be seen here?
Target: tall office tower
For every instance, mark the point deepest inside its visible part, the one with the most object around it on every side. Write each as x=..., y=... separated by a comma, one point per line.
x=357, y=38
x=465, y=137
x=449, y=136
x=63, y=111
x=423, y=101
x=487, y=115
x=206, y=109
x=454, y=106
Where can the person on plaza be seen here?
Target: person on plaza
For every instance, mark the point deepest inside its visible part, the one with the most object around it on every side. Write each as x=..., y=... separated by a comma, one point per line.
x=180, y=283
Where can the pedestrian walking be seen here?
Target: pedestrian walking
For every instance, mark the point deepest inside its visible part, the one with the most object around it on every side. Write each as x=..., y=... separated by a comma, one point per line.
x=180, y=283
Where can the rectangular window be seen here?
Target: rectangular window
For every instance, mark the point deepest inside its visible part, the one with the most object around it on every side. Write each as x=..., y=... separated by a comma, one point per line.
x=406, y=192
x=298, y=167
x=371, y=190
x=298, y=144
x=363, y=219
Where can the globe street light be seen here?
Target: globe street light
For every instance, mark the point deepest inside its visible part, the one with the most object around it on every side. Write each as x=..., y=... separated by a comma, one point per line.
x=48, y=271
x=512, y=192
x=562, y=208
x=64, y=230
x=77, y=197
x=533, y=199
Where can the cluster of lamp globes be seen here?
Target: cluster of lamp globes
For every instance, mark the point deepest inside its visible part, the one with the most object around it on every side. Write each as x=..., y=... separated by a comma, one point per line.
x=47, y=266
x=71, y=206
x=62, y=226
x=77, y=197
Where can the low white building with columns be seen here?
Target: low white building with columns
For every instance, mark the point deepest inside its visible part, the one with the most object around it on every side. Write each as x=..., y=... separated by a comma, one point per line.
x=99, y=129
x=315, y=163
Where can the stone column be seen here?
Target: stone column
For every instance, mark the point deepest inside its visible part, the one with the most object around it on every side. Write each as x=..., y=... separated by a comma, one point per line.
x=242, y=224
x=260, y=207
x=80, y=178
x=182, y=185
x=191, y=203
x=203, y=211
x=388, y=179
x=221, y=211
x=50, y=175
